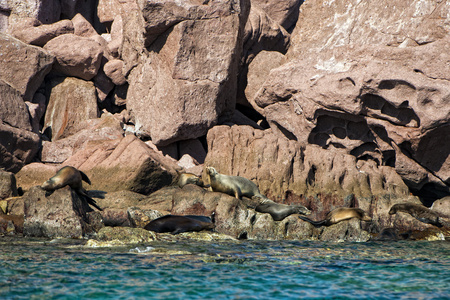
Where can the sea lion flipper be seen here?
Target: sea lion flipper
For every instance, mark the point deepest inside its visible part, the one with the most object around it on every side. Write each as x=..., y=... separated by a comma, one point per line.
x=85, y=178
x=315, y=223
x=91, y=201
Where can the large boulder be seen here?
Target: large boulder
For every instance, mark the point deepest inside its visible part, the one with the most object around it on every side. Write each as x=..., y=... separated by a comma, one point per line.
x=187, y=78
x=8, y=187
x=23, y=67
x=46, y=11
x=32, y=31
x=76, y=55
x=66, y=115
x=62, y=213
x=17, y=147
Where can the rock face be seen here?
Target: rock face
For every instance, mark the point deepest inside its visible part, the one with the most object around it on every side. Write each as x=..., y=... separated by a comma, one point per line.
x=23, y=66
x=182, y=85
x=65, y=116
x=61, y=214
x=321, y=103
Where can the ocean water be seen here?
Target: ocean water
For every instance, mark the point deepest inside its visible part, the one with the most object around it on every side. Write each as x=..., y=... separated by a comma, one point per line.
x=43, y=269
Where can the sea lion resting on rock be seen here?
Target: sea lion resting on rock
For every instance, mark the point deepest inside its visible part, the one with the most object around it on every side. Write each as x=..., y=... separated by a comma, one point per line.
x=236, y=186
x=189, y=178
x=178, y=224
x=280, y=211
x=72, y=177
x=339, y=214
x=419, y=212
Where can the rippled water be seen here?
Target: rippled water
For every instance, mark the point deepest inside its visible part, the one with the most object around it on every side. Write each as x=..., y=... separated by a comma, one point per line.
x=38, y=269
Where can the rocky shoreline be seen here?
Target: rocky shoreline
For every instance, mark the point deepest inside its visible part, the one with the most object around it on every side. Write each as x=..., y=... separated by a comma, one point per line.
x=311, y=100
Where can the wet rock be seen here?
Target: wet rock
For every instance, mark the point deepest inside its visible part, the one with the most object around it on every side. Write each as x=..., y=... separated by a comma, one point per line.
x=59, y=214
x=23, y=67
x=11, y=224
x=125, y=235
x=75, y=55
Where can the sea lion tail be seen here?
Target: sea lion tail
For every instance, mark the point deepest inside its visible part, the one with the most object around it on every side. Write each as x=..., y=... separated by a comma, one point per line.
x=315, y=223
x=85, y=178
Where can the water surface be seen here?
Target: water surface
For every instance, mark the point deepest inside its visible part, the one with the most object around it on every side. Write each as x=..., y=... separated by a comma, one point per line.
x=43, y=269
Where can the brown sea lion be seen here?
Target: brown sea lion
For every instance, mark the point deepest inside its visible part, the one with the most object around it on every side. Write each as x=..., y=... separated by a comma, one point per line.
x=419, y=212
x=178, y=224
x=279, y=211
x=236, y=186
x=189, y=178
x=339, y=214
x=72, y=177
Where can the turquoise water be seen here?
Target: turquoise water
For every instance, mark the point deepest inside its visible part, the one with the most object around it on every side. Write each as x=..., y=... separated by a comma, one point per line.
x=39, y=269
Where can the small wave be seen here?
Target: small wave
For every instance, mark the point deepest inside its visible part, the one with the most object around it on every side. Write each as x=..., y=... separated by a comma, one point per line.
x=141, y=249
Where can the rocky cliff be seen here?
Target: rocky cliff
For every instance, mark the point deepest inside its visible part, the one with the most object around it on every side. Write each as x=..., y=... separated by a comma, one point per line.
x=320, y=103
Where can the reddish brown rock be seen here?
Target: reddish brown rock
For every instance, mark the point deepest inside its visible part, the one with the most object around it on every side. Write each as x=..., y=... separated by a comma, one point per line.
x=123, y=164
x=17, y=147
x=391, y=23
x=46, y=11
x=8, y=187
x=113, y=69
x=82, y=27
x=60, y=214
x=75, y=55
x=13, y=110
x=105, y=128
x=66, y=116
x=192, y=69
x=23, y=67
x=33, y=32
x=284, y=13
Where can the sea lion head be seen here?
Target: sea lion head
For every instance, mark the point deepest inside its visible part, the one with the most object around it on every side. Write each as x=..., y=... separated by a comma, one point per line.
x=303, y=210
x=394, y=209
x=48, y=185
x=211, y=171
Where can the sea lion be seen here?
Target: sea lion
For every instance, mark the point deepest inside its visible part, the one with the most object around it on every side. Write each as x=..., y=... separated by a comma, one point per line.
x=178, y=224
x=339, y=214
x=189, y=178
x=72, y=177
x=236, y=186
x=280, y=211
x=419, y=212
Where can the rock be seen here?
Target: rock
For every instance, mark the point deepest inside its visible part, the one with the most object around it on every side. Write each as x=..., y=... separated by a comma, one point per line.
x=35, y=174
x=105, y=128
x=123, y=164
x=23, y=67
x=11, y=224
x=284, y=13
x=60, y=214
x=263, y=33
x=15, y=206
x=442, y=206
x=108, y=10
x=36, y=109
x=139, y=218
x=75, y=55
x=17, y=147
x=126, y=235
x=66, y=116
x=115, y=217
x=258, y=71
x=103, y=85
x=346, y=22
x=198, y=87
x=82, y=27
x=348, y=101
x=33, y=32
x=13, y=110
x=113, y=69
x=8, y=187
x=46, y=11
